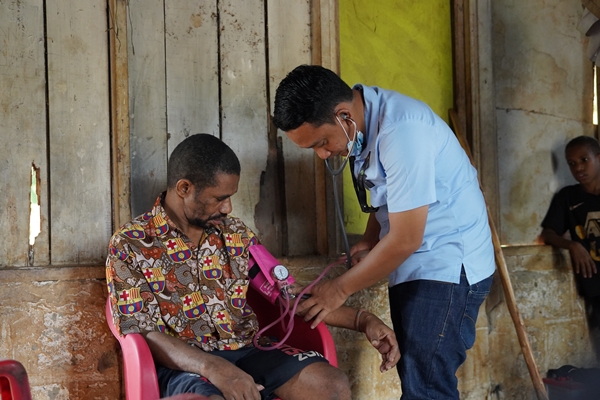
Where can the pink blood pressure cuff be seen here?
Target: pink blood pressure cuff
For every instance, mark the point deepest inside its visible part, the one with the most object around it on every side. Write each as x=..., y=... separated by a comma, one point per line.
x=260, y=265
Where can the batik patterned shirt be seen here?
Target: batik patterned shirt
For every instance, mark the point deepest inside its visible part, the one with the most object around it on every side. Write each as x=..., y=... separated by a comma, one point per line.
x=158, y=280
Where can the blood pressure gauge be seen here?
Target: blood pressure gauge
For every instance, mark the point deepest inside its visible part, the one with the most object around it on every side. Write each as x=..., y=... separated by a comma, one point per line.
x=280, y=273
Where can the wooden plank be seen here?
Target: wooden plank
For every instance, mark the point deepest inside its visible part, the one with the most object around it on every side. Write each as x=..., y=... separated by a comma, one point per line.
x=458, y=61
x=79, y=132
x=45, y=273
x=485, y=135
x=23, y=129
x=119, y=112
x=326, y=233
x=243, y=96
x=328, y=27
x=192, y=62
x=147, y=102
x=325, y=51
x=289, y=39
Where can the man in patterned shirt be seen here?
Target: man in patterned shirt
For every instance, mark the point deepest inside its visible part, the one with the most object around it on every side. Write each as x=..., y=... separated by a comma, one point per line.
x=178, y=275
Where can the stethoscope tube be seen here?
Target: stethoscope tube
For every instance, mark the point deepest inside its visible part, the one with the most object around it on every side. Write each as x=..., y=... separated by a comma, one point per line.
x=340, y=215
x=334, y=174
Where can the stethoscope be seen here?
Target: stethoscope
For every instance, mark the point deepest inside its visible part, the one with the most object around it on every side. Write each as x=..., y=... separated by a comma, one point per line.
x=334, y=174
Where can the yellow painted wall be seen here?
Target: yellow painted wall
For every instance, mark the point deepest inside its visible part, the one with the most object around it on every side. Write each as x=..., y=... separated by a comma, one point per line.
x=400, y=45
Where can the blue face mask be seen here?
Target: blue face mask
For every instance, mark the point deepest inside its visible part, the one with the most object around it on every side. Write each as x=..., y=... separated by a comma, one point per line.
x=353, y=152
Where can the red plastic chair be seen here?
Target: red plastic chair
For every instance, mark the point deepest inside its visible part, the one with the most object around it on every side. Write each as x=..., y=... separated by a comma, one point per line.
x=141, y=382
x=14, y=384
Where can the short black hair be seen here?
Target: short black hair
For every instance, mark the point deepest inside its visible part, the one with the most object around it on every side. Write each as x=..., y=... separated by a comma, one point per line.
x=588, y=141
x=309, y=94
x=199, y=158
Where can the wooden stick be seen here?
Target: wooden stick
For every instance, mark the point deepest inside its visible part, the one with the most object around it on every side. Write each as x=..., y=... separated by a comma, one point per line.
x=509, y=294
x=119, y=77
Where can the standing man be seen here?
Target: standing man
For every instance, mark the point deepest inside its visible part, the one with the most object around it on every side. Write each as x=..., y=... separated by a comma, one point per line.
x=428, y=231
x=178, y=275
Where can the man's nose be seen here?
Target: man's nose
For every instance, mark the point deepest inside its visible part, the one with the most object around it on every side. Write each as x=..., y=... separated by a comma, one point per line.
x=226, y=206
x=323, y=154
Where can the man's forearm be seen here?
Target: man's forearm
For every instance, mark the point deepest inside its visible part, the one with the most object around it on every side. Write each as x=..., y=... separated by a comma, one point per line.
x=173, y=353
x=403, y=239
x=372, y=231
x=343, y=317
x=378, y=264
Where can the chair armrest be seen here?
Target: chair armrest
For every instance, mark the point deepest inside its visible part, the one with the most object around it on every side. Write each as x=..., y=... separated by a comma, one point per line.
x=187, y=396
x=141, y=381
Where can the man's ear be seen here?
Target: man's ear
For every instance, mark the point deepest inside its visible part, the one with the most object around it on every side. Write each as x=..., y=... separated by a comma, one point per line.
x=343, y=114
x=184, y=188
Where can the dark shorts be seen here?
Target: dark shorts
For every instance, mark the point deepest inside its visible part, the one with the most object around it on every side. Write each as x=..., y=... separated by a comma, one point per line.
x=270, y=368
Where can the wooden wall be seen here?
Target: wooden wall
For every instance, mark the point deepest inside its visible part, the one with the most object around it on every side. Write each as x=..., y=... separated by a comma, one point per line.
x=55, y=108
x=99, y=148
x=212, y=67
x=55, y=118
x=192, y=67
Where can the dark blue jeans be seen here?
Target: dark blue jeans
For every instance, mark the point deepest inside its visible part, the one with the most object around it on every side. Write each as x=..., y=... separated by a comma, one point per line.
x=435, y=326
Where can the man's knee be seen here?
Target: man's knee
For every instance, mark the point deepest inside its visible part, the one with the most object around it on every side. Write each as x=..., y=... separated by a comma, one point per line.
x=338, y=384
x=319, y=380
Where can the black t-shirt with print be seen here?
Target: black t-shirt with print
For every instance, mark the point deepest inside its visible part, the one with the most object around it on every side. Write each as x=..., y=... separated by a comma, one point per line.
x=578, y=211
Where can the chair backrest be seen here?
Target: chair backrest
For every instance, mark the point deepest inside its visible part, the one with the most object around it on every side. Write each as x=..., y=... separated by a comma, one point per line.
x=141, y=382
x=14, y=384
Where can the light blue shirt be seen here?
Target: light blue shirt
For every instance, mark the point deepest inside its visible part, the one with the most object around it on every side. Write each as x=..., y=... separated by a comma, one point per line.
x=416, y=160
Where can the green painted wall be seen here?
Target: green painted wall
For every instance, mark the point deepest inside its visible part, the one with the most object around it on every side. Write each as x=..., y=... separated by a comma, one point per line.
x=401, y=45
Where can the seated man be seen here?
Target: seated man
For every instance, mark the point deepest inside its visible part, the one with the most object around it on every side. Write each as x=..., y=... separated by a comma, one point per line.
x=178, y=275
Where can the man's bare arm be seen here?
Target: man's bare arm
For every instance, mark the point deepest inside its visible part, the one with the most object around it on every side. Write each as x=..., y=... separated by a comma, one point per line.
x=173, y=353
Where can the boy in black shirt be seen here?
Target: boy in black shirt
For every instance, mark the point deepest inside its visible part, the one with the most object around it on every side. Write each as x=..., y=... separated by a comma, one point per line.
x=576, y=208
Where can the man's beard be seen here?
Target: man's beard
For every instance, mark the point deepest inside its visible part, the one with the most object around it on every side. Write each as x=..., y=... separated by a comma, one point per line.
x=204, y=223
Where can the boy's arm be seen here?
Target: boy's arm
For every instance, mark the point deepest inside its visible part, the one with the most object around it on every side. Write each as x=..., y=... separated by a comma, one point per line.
x=379, y=334
x=549, y=236
x=580, y=257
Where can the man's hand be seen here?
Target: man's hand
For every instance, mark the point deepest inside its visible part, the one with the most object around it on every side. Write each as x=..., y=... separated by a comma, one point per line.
x=231, y=381
x=581, y=260
x=382, y=338
x=359, y=251
x=325, y=297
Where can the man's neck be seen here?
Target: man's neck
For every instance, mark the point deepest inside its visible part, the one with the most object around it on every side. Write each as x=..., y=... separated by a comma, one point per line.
x=193, y=232
x=592, y=188
x=358, y=106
